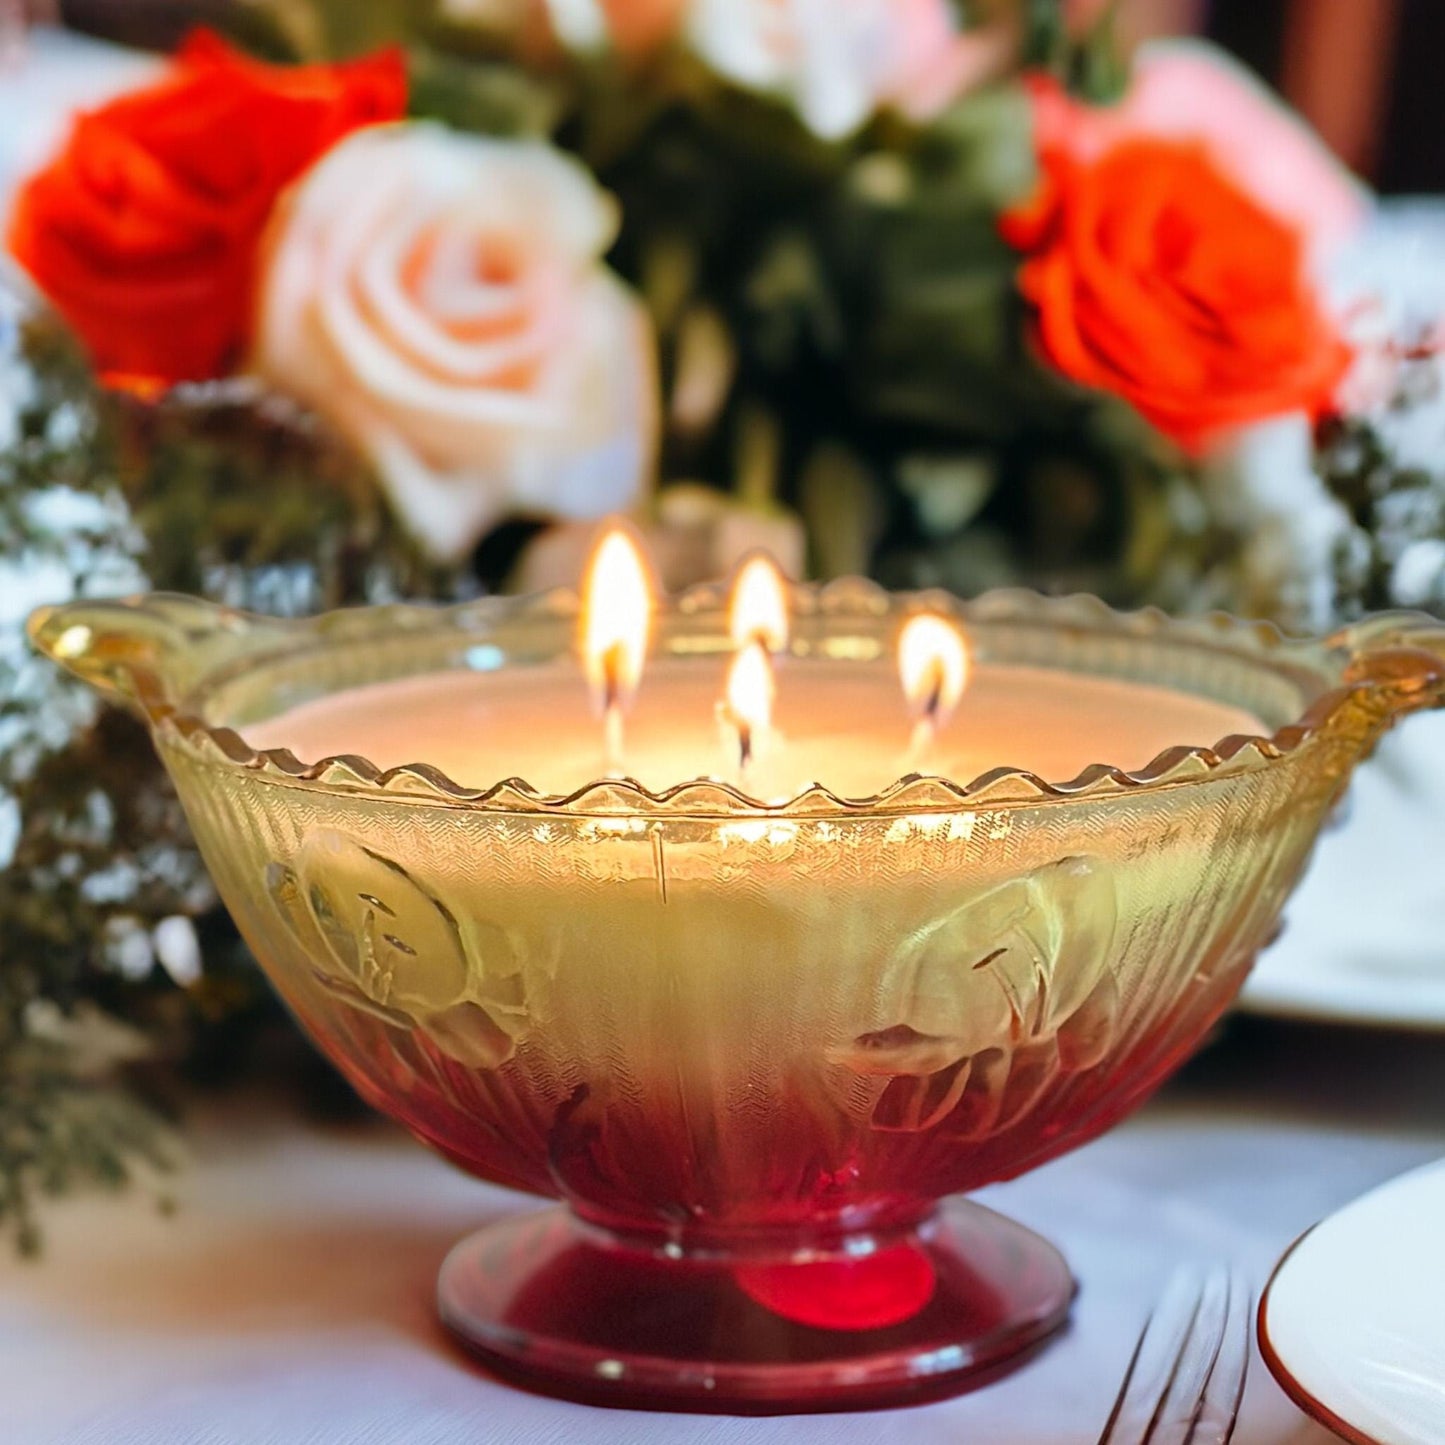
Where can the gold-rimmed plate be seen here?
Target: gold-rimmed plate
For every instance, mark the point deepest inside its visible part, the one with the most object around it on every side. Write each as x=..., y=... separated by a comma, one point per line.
x=1352, y=1323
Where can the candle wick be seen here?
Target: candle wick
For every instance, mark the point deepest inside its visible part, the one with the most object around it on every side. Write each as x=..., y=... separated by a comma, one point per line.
x=745, y=744
x=612, y=737
x=934, y=702
x=925, y=729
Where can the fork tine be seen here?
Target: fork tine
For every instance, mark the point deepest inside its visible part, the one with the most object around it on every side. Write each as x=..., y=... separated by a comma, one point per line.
x=1155, y=1361
x=1219, y=1407
x=1178, y=1413
x=1186, y=1378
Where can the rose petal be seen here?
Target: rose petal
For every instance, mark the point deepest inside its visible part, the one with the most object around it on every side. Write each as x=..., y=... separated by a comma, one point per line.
x=442, y=299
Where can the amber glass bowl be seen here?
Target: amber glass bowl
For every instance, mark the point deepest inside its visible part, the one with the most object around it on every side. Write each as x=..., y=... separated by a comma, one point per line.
x=750, y=1045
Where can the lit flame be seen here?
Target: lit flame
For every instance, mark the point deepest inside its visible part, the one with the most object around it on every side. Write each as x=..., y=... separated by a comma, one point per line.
x=759, y=608
x=616, y=619
x=750, y=691
x=933, y=664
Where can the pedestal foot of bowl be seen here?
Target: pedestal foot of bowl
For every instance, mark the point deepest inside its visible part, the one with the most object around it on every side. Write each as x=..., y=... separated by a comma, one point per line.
x=574, y=1311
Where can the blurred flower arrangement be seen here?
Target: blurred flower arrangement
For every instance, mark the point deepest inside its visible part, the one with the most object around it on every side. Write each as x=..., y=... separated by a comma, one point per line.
x=949, y=293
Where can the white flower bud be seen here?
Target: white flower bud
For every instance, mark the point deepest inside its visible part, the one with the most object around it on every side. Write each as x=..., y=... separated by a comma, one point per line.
x=178, y=949
x=128, y=948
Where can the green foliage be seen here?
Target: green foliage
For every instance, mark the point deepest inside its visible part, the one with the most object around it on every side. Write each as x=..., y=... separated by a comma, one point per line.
x=220, y=490
x=1386, y=473
x=1092, y=65
x=60, y=1129
x=489, y=96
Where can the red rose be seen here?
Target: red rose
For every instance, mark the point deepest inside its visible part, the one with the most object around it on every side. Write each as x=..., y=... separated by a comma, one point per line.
x=1156, y=278
x=143, y=231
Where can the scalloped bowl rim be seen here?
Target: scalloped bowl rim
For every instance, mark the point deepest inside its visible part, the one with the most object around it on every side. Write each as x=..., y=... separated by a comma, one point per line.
x=708, y=797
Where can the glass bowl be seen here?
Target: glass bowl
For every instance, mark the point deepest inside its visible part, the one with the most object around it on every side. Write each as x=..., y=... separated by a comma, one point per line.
x=751, y=1046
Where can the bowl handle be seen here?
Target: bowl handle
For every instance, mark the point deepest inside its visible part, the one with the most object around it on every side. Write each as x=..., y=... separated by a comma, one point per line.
x=146, y=651
x=1399, y=654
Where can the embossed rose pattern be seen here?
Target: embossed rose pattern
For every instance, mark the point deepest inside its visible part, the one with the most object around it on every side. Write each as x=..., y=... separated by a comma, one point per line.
x=1013, y=977
x=380, y=942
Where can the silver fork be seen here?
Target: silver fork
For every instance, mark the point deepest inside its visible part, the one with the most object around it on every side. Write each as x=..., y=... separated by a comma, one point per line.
x=1186, y=1379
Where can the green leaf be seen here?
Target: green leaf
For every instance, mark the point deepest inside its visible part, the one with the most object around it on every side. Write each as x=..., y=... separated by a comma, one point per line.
x=488, y=96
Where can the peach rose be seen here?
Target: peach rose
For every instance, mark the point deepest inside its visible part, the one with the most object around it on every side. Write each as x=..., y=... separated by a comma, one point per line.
x=441, y=298
x=839, y=61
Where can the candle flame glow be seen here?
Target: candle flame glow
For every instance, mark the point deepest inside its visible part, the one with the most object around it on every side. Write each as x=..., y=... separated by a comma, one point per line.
x=933, y=665
x=759, y=608
x=617, y=598
x=750, y=691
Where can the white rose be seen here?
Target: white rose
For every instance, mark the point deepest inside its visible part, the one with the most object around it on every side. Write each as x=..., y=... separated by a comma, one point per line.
x=441, y=298
x=841, y=60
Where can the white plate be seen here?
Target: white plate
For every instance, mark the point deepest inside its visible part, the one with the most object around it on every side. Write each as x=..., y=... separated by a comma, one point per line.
x=1364, y=935
x=1353, y=1322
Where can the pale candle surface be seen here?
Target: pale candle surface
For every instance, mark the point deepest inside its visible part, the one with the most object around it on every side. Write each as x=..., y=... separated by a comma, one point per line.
x=835, y=723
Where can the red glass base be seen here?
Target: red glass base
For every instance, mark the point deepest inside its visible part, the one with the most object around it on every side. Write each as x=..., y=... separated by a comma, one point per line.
x=574, y=1311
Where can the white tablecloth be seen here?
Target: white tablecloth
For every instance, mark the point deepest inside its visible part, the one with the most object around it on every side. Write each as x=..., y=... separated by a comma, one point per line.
x=288, y=1300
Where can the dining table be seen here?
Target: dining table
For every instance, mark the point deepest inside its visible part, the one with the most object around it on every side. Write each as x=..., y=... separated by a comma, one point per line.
x=277, y=1288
